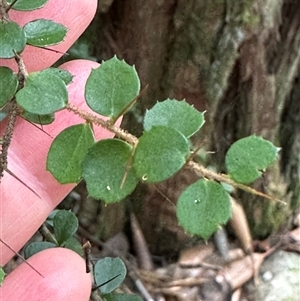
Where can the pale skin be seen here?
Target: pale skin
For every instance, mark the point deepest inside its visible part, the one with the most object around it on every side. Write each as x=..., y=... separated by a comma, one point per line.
x=22, y=211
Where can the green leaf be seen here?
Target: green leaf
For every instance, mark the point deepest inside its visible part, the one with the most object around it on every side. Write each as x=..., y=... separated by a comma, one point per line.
x=8, y=85
x=37, y=246
x=43, y=32
x=203, y=207
x=175, y=114
x=65, y=224
x=73, y=244
x=104, y=168
x=108, y=268
x=122, y=297
x=2, y=275
x=65, y=75
x=39, y=119
x=111, y=87
x=43, y=94
x=50, y=218
x=12, y=39
x=27, y=4
x=67, y=152
x=160, y=153
x=248, y=157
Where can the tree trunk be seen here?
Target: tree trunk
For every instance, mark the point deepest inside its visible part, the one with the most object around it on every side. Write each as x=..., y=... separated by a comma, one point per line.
x=237, y=60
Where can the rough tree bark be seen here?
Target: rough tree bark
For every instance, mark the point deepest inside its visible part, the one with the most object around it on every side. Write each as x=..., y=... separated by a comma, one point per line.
x=237, y=60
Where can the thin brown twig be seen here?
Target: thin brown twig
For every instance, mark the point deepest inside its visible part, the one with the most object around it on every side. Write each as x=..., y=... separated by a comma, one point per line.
x=105, y=124
x=6, y=140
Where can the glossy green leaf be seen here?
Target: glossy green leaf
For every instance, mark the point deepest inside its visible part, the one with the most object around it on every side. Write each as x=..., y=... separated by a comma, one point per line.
x=122, y=297
x=2, y=275
x=203, y=207
x=104, y=168
x=12, y=39
x=111, y=87
x=65, y=224
x=8, y=85
x=36, y=247
x=108, y=268
x=65, y=75
x=27, y=4
x=73, y=244
x=160, y=153
x=175, y=114
x=43, y=32
x=39, y=119
x=67, y=152
x=43, y=94
x=248, y=157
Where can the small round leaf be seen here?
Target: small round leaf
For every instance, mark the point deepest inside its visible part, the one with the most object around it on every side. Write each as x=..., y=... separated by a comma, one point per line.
x=203, y=207
x=67, y=152
x=65, y=224
x=36, y=247
x=248, y=157
x=111, y=87
x=108, y=268
x=160, y=153
x=43, y=94
x=8, y=85
x=104, y=168
x=175, y=114
x=27, y=5
x=43, y=32
x=12, y=39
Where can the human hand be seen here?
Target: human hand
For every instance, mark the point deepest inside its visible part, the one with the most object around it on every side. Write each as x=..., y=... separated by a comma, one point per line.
x=22, y=212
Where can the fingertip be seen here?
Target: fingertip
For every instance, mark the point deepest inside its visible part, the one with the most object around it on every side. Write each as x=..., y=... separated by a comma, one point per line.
x=64, y=278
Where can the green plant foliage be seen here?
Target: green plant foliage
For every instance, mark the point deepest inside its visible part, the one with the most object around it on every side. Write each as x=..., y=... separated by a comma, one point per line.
x=12, y=39
x=248, y=157
x=104, y=168
x=36, y=247
x=43, y=94
x=160, y=153
x=43, y=32
x=65, y=75
x=27, y=4
x=108, y=268
x=111, y=87
x=175, y=114
x=203, y=207
x=67, y=152
x=73, y=244
x=50, y=218
x=65, y=224
x=39, y=119
x=122, y=297
x=2, y=275
x=8, y=85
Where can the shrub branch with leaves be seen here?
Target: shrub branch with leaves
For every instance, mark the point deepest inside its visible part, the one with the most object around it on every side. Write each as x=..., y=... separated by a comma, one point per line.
x=112, y=168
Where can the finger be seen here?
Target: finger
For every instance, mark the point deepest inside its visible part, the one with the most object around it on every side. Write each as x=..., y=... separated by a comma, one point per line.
x=21, y=211
x=73, y=14
x=64, y=278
